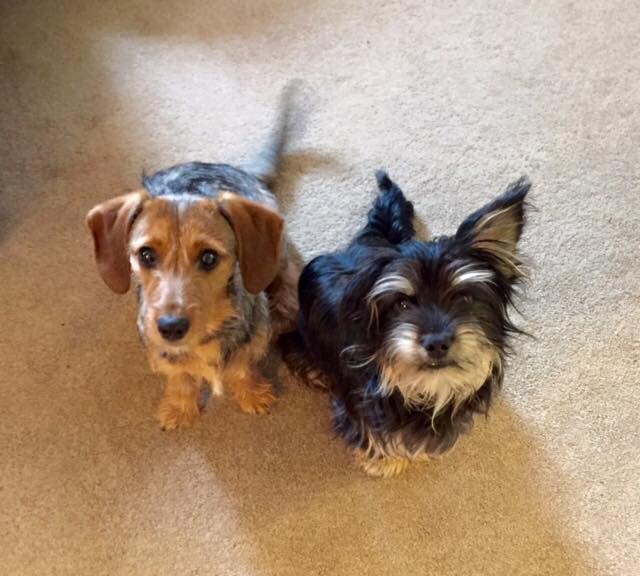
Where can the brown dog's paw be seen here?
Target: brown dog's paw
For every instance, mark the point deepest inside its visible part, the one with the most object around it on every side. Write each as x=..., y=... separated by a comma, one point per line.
x=173, y=415
x=256, y=399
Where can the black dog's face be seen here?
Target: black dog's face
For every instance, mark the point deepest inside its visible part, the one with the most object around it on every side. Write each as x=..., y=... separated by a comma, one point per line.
x=438, y=312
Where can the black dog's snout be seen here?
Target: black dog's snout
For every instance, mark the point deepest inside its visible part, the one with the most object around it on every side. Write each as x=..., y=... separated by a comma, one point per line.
x=437, y=344
x=173, y=327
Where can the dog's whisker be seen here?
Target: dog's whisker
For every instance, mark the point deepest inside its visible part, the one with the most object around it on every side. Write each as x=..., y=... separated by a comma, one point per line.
x=354, y=351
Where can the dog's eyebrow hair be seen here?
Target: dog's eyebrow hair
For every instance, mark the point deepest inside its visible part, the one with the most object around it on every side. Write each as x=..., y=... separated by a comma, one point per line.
x=206, y=241
x=143, y=240
x=470, y=273
x=391, y=283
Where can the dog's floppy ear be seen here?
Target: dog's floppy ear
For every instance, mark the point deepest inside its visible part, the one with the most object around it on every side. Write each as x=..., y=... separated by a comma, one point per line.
x=259, y=235
x=110, y=223
x=495, y=229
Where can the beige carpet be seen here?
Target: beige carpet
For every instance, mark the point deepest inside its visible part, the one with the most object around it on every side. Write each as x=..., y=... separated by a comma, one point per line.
x=455, y=99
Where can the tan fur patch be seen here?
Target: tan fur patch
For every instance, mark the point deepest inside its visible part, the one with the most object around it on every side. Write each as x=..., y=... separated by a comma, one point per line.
x=179, y=406
x=384, y=467
x=250, y=389
x=177, y=229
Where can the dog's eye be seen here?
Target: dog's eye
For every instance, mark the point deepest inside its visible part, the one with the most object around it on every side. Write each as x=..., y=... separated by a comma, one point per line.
x=208, y=259
x=404, y=303
x=147, y=257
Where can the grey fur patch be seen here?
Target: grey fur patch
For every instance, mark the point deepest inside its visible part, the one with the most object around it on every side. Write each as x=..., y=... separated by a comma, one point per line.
x=252, y=312
x=207, y=180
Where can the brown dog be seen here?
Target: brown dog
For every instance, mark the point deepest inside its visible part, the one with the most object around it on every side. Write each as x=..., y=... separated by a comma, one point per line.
x=217, y=277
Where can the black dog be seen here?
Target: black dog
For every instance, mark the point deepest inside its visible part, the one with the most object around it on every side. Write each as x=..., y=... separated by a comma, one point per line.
x=410, y=336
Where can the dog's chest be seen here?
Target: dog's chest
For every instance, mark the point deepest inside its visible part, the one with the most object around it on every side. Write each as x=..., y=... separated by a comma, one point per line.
x=203, y=363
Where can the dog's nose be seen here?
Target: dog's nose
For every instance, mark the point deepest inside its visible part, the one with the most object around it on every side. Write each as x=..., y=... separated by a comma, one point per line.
x=173, y=327
x=437, y=344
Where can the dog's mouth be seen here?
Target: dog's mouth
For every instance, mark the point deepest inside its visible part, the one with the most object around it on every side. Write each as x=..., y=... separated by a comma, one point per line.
x=175, y=354
x=433, y=365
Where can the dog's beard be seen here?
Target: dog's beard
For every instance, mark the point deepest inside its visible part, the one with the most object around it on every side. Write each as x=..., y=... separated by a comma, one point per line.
x=405, y=367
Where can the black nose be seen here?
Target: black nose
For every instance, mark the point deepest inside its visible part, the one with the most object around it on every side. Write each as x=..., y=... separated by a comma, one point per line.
x=437, y=344
x=173, y=327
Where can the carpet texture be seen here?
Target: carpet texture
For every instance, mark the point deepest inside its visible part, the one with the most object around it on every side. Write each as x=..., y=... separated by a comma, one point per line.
x=456, y=99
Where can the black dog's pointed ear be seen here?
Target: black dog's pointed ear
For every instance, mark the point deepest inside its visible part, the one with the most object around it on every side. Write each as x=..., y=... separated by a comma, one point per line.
x=495, y=229
x=385, y=183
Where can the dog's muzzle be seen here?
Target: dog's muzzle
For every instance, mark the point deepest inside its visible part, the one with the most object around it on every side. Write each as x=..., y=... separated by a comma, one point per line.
x=173, y=328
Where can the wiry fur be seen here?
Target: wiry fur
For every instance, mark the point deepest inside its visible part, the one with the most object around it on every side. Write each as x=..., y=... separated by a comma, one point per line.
x=235, y=308
x=365, y=311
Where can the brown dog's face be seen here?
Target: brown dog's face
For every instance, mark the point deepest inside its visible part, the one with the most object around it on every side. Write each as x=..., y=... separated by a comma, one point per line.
x=183, y=250
x=183, y=254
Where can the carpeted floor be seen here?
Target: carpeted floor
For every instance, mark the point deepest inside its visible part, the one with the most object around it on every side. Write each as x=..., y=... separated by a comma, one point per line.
x=455, y=99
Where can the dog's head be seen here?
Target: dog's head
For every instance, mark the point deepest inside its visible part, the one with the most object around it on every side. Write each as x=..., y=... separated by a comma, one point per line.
x=437, y=312
x=184, y=250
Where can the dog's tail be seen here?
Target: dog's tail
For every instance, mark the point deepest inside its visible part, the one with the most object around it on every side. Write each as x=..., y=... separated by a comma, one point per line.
x=298, y=364
x=266, y=164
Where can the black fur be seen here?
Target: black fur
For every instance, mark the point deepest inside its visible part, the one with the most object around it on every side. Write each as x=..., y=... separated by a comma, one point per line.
x=338, y=332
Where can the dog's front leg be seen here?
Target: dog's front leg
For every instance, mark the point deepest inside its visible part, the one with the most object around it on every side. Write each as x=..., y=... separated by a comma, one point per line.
x=179, y=405
x=251, y=390
x=381, y=466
